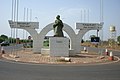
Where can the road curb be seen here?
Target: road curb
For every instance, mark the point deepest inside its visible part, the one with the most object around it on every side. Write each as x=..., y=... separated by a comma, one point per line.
x=58, y=63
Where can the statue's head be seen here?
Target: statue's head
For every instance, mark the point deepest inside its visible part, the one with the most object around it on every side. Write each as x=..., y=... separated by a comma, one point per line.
x=58, y=17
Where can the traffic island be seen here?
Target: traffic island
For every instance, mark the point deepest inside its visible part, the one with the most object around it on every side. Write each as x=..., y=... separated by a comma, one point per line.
x=83, y=58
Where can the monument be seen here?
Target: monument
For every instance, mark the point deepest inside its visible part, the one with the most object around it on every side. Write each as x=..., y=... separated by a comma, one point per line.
x=59, y=45
x=58, y=26
x=38, y=38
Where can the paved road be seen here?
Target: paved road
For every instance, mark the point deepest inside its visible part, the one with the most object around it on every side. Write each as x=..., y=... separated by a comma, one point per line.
x=16, y=71
x=21, y=71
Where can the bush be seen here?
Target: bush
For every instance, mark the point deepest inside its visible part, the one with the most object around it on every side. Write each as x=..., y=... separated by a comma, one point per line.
x=118, y=39
x=3, y=38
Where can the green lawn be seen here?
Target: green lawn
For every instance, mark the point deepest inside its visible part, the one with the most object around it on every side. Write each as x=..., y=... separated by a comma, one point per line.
x=46, y=44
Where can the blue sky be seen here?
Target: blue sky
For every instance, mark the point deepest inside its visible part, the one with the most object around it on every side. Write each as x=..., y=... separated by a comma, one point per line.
x=70, y=11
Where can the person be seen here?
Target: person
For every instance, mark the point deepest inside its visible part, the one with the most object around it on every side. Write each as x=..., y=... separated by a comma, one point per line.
x=58, y=26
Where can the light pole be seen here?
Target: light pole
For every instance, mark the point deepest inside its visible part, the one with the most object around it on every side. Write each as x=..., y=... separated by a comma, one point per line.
x=101, y=20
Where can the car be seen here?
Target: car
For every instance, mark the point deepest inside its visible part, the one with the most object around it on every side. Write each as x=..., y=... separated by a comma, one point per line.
x=5, y=43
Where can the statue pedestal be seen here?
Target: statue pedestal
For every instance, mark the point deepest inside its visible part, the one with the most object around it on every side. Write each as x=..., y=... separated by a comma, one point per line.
x=59, y=46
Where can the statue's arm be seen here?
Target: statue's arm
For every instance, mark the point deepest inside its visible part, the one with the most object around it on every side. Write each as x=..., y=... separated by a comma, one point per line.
x=55, y=24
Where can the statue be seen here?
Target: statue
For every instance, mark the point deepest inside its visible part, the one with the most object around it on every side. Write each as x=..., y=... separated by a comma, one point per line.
x=58, y=26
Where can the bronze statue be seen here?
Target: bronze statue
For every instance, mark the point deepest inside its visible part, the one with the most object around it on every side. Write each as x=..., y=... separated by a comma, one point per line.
x=58, y=26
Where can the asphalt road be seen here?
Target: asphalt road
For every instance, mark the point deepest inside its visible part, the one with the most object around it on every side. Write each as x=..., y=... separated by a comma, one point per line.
x=18, y=71
x=21, y=71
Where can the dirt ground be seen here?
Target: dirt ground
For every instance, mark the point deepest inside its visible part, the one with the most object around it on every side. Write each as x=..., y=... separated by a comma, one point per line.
x=103, y=45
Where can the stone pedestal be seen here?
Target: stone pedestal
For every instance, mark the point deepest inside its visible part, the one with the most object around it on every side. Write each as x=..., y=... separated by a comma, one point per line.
x=59, y=46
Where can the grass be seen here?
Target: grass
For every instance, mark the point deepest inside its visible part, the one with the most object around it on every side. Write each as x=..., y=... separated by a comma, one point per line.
x=46, y=44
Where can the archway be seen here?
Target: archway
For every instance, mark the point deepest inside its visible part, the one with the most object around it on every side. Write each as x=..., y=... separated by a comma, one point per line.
x=66, y=28
x=75, y=38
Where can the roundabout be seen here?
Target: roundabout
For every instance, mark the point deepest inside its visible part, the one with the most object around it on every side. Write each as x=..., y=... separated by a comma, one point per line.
x=13, y=69
x=26, y=56
x=35, y=54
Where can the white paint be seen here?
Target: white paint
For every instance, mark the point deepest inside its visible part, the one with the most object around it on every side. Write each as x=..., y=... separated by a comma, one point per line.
x=106, y=50
x=67, y=59
x=59, y=46
x=111, y=54
x=85, y=49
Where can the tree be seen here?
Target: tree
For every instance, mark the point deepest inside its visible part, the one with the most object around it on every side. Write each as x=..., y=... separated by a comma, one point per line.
x=92, y=36
x=1, y=39
x=4, y=37
x=12, y=40
x=118, y=38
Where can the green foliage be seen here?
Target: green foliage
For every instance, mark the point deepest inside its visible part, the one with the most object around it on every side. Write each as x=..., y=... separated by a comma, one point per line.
x=12, y=40
x=3, y=38
x=92, y=36
x=24, y=41
x=46, y=43
x=87, y=40
x=118, y=39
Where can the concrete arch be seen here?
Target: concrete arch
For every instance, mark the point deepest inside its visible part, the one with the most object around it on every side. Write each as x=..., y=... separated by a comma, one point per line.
x=66, y=28
x=36, y=41
x=79, y=37
x=32, y=32
x=75, y=38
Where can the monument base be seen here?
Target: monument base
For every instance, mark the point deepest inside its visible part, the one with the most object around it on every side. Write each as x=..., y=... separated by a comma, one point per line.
x=59, y=46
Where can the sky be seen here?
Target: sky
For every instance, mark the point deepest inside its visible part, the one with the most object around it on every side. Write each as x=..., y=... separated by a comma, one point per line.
x=71, y=11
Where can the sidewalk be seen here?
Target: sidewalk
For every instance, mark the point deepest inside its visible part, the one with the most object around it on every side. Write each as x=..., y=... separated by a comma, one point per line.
x=28, y=56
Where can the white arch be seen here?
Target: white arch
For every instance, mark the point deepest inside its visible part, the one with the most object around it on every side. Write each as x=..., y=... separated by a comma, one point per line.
x=39, y=38
x=79, y=37
x=75, y=38
x=66, y=28
x=36, y=41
